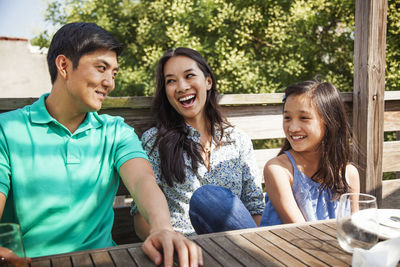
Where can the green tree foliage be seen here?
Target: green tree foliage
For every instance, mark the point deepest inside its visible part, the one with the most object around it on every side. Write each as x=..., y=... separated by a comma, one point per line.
x=253, y=46
x=393, y=46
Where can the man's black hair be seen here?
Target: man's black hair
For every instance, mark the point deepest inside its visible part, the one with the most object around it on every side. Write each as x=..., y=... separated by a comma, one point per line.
x=76, y=39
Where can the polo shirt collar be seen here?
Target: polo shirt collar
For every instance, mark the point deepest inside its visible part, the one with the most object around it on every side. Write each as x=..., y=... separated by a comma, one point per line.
x=92, y=120
x=40, y=115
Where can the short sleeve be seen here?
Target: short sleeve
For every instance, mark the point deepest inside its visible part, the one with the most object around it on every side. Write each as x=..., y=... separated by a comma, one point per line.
x=5, y=170
x=128, y=145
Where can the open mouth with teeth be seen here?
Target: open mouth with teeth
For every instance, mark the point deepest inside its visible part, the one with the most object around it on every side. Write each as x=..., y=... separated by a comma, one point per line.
x=298, y=137
x=187, y=101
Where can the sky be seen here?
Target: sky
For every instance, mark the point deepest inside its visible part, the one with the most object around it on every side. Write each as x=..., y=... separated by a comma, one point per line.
x=23, y=18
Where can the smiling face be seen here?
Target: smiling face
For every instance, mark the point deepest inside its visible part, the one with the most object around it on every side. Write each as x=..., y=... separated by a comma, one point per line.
x=303, y=125
x=92, y=80
x=186, y=88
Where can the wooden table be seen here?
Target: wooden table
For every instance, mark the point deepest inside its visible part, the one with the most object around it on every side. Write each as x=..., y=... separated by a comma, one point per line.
x=312, y=244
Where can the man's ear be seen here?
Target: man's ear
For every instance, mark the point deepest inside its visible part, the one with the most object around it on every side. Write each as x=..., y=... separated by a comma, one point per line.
x=62, y=63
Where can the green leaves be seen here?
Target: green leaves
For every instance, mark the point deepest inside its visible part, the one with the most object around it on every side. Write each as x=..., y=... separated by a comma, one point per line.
x=253, y=46
x=393, y=46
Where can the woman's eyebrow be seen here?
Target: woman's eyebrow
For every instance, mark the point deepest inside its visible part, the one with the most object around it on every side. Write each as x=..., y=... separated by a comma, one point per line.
x=188, y=70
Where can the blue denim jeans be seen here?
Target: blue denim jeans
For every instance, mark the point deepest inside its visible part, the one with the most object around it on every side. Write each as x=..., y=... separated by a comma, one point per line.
x=216, y=209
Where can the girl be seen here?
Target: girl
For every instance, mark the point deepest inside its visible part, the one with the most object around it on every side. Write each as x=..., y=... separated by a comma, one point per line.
x=311, y=171
x=205, y=167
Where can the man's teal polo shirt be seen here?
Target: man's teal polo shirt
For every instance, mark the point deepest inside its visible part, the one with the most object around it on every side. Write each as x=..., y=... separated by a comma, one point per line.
x=60, y=186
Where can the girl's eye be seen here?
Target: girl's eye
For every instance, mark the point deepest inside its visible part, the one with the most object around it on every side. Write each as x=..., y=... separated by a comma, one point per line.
x=190, y=75
x=304, y=118
x=286, y=117
x=169, y=81
x=101, y=68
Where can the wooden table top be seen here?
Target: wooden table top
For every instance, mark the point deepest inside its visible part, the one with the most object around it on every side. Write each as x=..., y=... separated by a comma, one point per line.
x=312, y=244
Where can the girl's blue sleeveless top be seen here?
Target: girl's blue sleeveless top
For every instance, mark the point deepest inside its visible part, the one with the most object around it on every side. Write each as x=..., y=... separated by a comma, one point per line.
x=314, y=203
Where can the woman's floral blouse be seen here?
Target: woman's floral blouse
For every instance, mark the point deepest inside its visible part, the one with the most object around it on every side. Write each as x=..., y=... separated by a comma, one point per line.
x=232, y=165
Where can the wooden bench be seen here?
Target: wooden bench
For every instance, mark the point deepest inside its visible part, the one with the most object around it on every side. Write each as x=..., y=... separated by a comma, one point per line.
x=259, y=115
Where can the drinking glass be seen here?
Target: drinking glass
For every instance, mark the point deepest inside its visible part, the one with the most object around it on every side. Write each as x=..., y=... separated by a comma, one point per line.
x=357, y=221
x=10, y=238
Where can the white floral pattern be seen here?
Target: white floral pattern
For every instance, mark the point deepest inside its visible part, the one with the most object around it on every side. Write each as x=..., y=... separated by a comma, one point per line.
x=232, y=166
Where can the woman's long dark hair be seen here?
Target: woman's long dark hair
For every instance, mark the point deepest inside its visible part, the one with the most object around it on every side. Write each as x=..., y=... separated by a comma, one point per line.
x=335, y=145
x=172, y=136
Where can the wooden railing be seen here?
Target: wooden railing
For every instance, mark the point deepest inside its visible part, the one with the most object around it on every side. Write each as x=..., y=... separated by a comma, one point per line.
x=259, y=115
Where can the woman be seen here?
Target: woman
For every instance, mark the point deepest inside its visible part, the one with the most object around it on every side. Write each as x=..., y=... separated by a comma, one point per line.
x=205, y=167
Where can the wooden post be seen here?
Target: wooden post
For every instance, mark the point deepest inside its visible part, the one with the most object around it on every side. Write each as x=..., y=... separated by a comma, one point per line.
x=369, y=91
x=398, y=138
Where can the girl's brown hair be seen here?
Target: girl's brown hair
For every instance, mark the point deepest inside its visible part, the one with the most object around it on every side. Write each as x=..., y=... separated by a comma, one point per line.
x=335, y=144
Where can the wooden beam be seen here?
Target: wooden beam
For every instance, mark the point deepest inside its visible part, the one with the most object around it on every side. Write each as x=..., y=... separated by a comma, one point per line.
x=369, y=92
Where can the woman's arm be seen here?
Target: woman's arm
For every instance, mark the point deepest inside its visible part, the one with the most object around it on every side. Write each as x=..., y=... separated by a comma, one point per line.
x=277, y=179
x=257, y=219
x=251, y=196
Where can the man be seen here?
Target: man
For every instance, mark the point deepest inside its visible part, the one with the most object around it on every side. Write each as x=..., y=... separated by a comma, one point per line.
x=60, y=161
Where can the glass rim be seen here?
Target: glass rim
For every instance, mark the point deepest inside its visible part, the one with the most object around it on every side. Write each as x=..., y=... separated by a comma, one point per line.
x=15, y=228
x=372, y=198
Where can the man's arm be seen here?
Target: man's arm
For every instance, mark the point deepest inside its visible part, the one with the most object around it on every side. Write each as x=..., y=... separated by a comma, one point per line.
x=139, y=179
x=142, y=228
x=6, y=253
x=2, y=203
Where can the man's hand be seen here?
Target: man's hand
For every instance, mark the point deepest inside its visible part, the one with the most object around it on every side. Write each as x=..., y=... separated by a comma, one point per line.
x=139, y=179
x=10, y=257
x=169, y=241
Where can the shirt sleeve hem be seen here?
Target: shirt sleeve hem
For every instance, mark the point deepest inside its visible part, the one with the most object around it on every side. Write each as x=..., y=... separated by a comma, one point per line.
x=4, y=189
x=129, y=156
